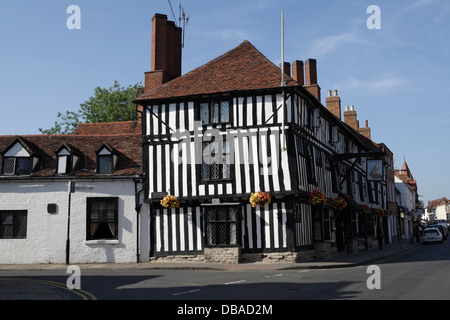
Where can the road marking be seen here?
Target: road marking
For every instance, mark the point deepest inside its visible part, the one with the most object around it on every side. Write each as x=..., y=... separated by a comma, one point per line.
x=83, y=294
x=185, y=292
x=234, y=282
x=275, y=275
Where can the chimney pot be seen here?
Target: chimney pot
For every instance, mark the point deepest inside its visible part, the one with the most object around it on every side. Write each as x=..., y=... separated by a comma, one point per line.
x=335, y=92
x=329, y=93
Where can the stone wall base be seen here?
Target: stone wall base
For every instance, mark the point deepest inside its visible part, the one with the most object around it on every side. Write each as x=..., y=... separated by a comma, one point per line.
x=179, y=258
x=225, y=255
x=269, y=257
x=233, y=255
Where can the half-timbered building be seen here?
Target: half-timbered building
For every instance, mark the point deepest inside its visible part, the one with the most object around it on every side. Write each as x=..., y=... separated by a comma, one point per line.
x=230, y=128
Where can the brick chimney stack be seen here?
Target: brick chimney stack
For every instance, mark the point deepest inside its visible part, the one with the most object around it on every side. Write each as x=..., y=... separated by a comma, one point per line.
x=333, y=103
x=311, y=78
x=365, y=131
x=287, y=68
x=297, y=72
x=350, y=117
x=351, y=120
x=166, y=53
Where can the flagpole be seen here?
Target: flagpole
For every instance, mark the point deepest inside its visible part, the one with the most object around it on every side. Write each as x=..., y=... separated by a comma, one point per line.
x=283, y=98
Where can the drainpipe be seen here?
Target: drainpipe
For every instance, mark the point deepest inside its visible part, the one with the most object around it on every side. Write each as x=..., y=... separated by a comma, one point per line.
x=71, y=189
x=138, y=209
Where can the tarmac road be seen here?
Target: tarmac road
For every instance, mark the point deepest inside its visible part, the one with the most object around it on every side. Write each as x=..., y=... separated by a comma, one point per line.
x=48, y=282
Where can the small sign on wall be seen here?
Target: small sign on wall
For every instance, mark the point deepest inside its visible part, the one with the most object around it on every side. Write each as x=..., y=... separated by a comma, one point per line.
x=51, y=208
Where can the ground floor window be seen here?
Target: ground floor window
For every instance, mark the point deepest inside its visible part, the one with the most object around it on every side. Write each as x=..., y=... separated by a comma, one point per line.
x=102, y=218
x=222, y=226
x=321, y=224
x=13, y=224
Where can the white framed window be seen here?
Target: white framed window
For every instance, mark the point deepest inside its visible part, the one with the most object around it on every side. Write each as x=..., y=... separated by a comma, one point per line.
x=66, y=160
x=63, y=162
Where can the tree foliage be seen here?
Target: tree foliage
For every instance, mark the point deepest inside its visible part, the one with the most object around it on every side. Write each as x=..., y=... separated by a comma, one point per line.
x=106, y=105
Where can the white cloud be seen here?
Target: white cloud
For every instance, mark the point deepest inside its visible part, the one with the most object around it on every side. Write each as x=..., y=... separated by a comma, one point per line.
x=327, y=44
x=386, y=82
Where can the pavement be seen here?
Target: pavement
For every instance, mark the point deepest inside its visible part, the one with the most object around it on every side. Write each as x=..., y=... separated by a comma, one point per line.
x=16, y=288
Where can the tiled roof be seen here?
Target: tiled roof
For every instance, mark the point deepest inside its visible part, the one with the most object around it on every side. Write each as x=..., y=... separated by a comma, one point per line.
x=127, y=147
x=240, y=69
x=108, y=128
x=438, y=202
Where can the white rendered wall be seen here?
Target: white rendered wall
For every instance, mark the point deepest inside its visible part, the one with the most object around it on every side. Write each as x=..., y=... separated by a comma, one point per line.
x=47, y=233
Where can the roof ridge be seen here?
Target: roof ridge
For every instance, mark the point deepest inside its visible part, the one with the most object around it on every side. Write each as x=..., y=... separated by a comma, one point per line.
x=244, y=62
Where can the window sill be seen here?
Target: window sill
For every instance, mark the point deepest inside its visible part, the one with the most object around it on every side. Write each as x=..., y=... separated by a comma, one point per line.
x=89, y=242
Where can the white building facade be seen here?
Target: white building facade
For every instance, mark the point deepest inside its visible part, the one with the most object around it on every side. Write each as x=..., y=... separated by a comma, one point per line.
x=406, y=201
x=72, y=199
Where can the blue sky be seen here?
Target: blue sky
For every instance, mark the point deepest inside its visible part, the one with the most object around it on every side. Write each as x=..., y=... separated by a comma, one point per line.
x=397, y=77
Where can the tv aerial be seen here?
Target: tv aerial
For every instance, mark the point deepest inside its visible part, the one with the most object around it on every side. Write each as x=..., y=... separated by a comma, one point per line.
x=183, y=20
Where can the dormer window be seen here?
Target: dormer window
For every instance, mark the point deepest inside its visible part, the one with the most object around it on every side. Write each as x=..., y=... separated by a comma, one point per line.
x=17, y=166
x=17, y=160
x=66, y=160
x=106, y=160
x=63, y=162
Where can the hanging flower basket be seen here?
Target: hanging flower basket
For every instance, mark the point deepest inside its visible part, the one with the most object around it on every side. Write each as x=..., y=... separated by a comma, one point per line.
x=381, y=212
x=339, y=204
x=316, y=198
x=170, y=202
x=364, y=209
x=260, y=198
x=384, y=213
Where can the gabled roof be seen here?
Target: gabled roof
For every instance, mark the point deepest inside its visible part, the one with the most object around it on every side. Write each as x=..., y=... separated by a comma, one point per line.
x=32, y=150
x=126, y=146
x=240, y=69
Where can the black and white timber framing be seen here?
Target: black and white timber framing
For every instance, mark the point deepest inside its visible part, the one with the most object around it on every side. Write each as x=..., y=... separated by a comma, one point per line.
x=173, y=141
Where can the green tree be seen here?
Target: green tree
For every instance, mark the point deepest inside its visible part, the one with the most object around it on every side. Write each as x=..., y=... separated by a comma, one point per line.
x=106, y=105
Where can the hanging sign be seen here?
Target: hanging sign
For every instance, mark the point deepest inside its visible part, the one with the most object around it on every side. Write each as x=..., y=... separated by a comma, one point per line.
x=375, y=170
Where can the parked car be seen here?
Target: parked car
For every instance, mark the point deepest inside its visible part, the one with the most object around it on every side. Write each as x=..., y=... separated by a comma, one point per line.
x=432, y=235
x=444, y=225
x=441, y=229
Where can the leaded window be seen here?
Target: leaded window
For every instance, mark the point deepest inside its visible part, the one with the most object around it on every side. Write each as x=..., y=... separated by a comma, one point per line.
x=222, y=227
x=17, y=165
x=104, y=164
x=215, y=160
x=106, y=160
x=215, y=112
x=13, y=224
